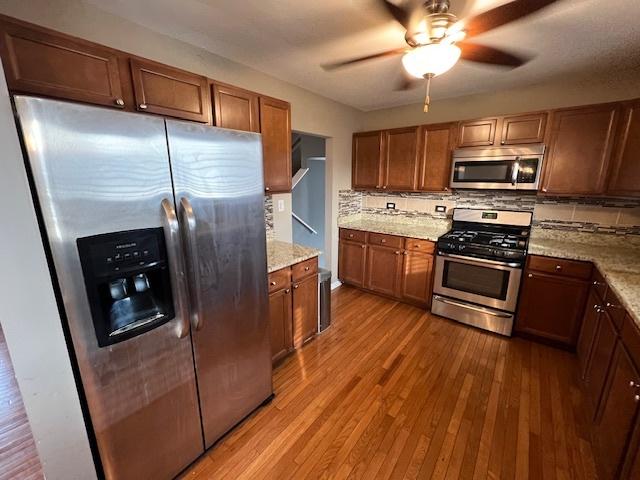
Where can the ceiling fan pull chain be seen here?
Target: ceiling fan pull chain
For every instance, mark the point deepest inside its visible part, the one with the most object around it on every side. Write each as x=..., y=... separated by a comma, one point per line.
x=427, y=98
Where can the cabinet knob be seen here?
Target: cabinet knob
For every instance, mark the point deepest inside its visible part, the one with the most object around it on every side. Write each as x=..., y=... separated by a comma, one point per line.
x=405, y=253
x=295, y=287
x=502, y=142
x=383, y=241
x=351, y=235
x=267, y=188
x=633, y=384
x=530, y=275
x=611, y=305
x=377, y=186
x=544, y=190
x=142, y=106
x=306, y=269
x=362, y=246
x=384, y=187
x=119, y=102
x=446, y=189
x=273, y=284
x=598, y=284
x=287, y=290
x=397, y=252
x=636, y=398
x=558, y=268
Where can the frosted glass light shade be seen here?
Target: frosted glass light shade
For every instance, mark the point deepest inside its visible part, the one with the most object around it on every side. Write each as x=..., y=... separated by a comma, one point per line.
x=435, y=59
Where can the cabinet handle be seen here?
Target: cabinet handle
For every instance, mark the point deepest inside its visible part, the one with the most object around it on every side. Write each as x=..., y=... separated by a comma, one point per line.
x=530, y=275
x=306, y=269
x=636, y=398
x=502, y=142
x=362, y=246
x=119, y=102
x=267, y=188
x=273, y=284
x=397, y=252
x=143, y=106
x=405, y=253
x=558, y=268
x=287, y=290
x=295, y=287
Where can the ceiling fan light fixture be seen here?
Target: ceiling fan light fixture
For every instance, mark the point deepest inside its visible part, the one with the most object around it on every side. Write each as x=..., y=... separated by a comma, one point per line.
x=433, y=59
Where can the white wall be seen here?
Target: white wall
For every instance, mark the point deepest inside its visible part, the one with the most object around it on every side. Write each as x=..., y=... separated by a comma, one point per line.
x=559, y=93
x=31, y=323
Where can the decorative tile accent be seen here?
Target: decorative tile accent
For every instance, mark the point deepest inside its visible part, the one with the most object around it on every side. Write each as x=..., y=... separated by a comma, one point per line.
x=268, y=216
x=620, y=216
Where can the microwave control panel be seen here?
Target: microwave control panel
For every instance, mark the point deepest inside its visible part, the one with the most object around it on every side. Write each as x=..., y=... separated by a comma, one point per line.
x=528, y=171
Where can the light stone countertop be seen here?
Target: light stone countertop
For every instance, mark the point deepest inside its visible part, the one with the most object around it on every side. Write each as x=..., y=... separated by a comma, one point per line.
x=429, y=229
x=616, y=257
x=284, y=254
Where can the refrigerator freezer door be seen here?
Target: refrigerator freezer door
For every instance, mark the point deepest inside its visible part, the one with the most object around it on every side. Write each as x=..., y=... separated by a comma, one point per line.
x=218, y=185
x=98, y=171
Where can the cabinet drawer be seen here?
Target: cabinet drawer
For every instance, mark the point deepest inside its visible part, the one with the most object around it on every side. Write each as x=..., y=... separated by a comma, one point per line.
x=424, y=246
x=568, y=268
x=599, y=284
x=353, y=235
x=390, y=241
x=614, y=308
x=279, y=279
x=304, y=269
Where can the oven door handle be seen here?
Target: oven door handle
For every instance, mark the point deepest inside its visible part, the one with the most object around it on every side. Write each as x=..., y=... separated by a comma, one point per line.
x=480, y=260
x=471, y=307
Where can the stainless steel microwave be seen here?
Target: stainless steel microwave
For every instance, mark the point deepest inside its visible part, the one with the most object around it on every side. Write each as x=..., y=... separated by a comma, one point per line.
x=506, y=168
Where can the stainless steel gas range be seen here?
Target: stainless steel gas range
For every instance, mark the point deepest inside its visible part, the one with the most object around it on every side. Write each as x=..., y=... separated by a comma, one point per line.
x=479, y=267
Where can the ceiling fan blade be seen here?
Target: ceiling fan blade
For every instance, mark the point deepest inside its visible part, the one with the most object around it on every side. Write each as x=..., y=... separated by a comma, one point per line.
x=483, y=54
x=507, y=13
x=402, y=16
x=345, y=63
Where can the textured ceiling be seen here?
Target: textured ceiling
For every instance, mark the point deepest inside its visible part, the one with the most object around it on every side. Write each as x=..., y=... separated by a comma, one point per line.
x=289, y=39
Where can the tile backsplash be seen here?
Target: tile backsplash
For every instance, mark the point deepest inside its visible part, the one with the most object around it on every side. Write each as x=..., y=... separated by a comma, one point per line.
x=268, y=216
x=586, y=214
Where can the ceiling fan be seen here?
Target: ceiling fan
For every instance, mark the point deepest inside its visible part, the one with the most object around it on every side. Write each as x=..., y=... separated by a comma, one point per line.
x=436, y=39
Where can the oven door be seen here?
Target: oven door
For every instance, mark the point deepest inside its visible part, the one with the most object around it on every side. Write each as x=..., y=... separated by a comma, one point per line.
x=483, y=282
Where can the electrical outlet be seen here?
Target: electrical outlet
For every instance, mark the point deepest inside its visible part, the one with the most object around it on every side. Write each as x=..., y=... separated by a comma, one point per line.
x=391, y=206
x=281, y=205
x=441, y=209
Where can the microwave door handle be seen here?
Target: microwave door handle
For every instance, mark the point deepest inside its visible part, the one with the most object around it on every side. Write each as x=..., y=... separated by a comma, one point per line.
x=515, y=172
x=189, y=220
x=176, y=265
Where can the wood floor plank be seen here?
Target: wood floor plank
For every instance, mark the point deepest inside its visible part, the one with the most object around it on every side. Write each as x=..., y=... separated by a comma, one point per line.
x=391, y=392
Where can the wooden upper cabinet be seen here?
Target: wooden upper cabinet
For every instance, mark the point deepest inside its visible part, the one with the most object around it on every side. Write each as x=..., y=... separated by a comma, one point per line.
x=618, y=410
x=275, y=125
x=168, y=91
x=520, y=129
x=435, y=156
x=366, y=160
x=235, y=108
x=401, y=150
x=625, y=172
x=580, y=147
x=52, y=64
x=478, y=133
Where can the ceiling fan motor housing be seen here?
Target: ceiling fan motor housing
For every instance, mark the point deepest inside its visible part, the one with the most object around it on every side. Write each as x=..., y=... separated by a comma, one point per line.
x=430, y=23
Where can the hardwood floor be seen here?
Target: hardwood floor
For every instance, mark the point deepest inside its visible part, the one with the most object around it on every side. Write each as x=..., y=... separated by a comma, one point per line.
x=390, y=391
x=18, y=455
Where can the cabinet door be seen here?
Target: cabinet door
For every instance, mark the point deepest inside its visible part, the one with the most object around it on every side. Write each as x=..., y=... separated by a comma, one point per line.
x=436, y=145
x=305, y=310
x=417, y=273
x=519, y=129
x=280, y=315
x=551, y=307
x=477, y=133
x=171, y=92
x=580, y=148
x=618, y=410
x=351, y=263
x=366, y=160
x=275, y=125
x=603, y=346
x=588, y=331
x=55, y=65
x=625, y=173
x=235, y=108
x=401, y=159
x=383, y=270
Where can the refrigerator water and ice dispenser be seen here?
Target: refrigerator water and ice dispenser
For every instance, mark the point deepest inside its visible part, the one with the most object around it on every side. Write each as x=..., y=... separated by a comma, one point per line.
x=127, y=281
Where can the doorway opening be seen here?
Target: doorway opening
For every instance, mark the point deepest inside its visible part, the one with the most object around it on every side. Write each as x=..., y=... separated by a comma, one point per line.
x=308, y=160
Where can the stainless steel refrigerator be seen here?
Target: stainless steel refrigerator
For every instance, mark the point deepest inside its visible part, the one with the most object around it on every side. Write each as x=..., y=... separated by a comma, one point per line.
x=157, y=243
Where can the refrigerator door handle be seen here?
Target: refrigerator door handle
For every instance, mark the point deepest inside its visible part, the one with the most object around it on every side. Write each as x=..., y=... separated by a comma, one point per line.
x=189, y=219
x=176, y=265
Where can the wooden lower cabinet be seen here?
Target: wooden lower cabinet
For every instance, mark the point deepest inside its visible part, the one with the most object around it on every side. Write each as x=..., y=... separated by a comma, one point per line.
x=618, y=413
x=280, y=317
x=416, y=282
x=352, y=259
x=293, y=307
x=551, y=307
x=383, y=270
x=590, y=323
x=604, y=344
x=305, y=310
